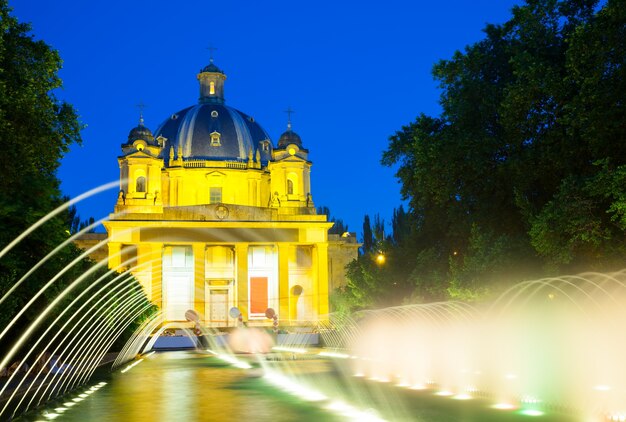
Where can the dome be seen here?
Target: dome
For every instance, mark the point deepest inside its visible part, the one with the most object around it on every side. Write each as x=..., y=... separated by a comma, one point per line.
x=140, y=132
x=209, y=131
x=289, y=137
x=211, y=68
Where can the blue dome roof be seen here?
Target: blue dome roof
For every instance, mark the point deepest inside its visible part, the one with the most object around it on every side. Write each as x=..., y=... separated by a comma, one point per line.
x=140, y=132
x=211, y=68
x=289, y=137
x=213, y=132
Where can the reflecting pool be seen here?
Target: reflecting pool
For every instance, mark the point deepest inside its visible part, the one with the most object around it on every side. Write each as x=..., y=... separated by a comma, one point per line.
x=195, y=386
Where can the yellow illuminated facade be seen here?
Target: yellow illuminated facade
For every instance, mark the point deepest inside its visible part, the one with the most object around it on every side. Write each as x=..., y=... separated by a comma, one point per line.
x=212, y=215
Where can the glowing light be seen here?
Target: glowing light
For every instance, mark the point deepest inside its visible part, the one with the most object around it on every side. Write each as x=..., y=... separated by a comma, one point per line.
x=380, y=258
x=289, y=349
x=131, y=366
x=532, y=412
x=51, y=415
x=444, y=393
x=68, y=404
x=504, y=406
x=346, y=410
x=296, y=389
x=77, y=399
x=334, y=355
x=233, y=361
x=510, y=376
x=462, y=396
x=602, y=388
x=418, y=387
x=83, y=395
x=60, y=409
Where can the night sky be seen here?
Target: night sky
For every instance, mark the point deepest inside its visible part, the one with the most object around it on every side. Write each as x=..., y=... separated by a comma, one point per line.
x=354, y=72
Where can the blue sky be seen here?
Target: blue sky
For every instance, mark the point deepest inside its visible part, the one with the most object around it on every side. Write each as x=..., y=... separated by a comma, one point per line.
x=354, y=72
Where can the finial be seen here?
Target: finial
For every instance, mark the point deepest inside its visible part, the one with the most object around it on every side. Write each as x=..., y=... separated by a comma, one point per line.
x=289, y=111
x=141, y=106
x=211, y=50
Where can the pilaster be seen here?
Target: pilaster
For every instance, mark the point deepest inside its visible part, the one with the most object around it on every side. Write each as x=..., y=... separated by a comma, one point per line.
x=199, y=293
x=283, y=282
x=241, y=261
x=321, y=281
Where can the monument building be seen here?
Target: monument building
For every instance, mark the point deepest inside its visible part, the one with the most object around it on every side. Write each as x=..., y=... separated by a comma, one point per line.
x=211, y=214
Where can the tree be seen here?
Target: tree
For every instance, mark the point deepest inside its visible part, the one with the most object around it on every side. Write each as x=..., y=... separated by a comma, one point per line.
x=36, y=130
x=524, y=166
x=338, y=227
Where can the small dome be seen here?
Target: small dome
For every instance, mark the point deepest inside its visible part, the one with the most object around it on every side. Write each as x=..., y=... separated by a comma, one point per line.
x=211, y=68
x=140, y=132
x=289, y=137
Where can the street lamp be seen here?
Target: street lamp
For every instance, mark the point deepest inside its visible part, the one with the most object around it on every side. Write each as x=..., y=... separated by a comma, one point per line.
x=380, y=258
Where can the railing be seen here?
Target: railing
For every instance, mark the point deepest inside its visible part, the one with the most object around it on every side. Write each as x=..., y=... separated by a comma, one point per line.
x=221, y=164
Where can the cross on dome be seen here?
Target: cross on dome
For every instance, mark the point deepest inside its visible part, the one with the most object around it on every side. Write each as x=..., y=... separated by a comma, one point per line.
x=289, y=112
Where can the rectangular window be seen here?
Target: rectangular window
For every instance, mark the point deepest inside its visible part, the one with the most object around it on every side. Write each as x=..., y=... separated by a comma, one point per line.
x=258, y=295
x=215, y=195
x=304, y=258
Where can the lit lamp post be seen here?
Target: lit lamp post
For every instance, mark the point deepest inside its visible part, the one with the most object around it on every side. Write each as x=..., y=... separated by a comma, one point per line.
x=380, y=258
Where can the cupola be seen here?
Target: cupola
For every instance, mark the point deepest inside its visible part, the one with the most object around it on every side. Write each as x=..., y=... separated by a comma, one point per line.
x=211, y=80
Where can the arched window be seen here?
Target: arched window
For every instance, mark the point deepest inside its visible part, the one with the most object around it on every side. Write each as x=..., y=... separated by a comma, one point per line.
x=289, y=187
x=141, y=184
x=212, y=88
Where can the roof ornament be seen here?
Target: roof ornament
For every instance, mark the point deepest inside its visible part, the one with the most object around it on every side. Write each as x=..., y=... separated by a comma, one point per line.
x=289, y=111
x=211, y=50
x=141, y=106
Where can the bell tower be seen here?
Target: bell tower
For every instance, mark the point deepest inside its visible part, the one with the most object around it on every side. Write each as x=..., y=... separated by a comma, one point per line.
x=140, y=172
x=290, y=171
x=211, y=80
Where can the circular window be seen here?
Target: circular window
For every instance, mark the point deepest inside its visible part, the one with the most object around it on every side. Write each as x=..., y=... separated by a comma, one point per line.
x=251, y=119
x=214, y=113
x=174, y=116
x=292, y=151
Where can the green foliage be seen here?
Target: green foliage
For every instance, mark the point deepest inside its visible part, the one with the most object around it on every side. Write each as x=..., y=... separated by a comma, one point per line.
x=36, y=130
x=523, y=172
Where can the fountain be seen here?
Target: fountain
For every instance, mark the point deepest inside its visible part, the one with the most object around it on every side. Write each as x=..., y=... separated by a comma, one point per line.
x=553, y=344
x=544, y=347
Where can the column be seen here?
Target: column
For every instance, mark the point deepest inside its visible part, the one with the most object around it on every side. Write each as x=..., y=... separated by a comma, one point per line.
x=283, y=283
x=322, y=280
x=115, y=255
x=157, y=274
x=199, y=294
x=241, y=278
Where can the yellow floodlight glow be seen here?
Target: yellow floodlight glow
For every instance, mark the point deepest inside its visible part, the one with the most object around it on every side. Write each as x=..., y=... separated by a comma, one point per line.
x=380, y=258
x=334, y=355
x=289, y=349
x=504, y=406
x=131, y=366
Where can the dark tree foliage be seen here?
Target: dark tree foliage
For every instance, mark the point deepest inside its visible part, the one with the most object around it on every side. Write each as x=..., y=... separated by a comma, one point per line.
x=36, y=130
x=368, y=236
x=378, y=276
x=339, y=227
x=523, y=172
